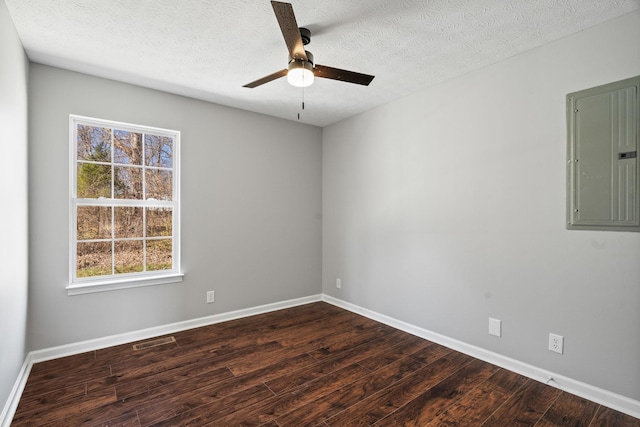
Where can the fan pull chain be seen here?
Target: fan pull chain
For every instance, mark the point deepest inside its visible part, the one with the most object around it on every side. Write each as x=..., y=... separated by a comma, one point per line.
x=302, y=102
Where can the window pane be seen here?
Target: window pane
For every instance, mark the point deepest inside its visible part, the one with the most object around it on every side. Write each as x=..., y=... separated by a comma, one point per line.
x=158, y=151
x=159, y=222
x=94, y=143
x=159, y=184
x=128, y=222
x=93, y=259
x=94, y=181
x=128, y=183
x=159, y=254
x=127, y=147
x=128, y=256
x=94, y=222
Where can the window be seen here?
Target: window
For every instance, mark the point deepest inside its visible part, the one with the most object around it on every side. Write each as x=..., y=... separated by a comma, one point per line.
x=124, y=202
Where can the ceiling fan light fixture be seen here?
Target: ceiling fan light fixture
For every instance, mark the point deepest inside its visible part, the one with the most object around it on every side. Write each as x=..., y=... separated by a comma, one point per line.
x=300, y=73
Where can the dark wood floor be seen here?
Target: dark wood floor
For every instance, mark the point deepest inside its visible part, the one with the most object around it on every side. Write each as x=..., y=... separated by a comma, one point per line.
x=313, y=365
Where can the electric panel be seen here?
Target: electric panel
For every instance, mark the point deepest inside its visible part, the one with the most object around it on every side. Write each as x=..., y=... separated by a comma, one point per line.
x=602, y=149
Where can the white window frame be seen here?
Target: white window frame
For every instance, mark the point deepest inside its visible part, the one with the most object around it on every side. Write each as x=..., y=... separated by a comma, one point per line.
x=125, y=280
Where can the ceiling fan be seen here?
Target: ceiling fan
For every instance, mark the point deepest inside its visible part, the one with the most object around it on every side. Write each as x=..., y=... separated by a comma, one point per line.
x=301, y=69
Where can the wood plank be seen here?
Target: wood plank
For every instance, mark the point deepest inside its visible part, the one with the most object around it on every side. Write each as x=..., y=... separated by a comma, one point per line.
x=51, y=398
x=192, y=388
x=126, y=420
x=170, y=400
x=425, y=407
x=175, y=376
x=158, y=358
x=353, y=338
x=43, y=414
x=285, y=403
x=267, y=408
x=71, y=377
x=570, y=410
x=102, y=419
x=431, y=353
x=373, y=408
x=526, y=407
x=48, y=368
x=606, y=417
x=356, y=353
x=331, y=404
x=410, y=346
x=397, y=365
x=477, y=405
x=203, y=409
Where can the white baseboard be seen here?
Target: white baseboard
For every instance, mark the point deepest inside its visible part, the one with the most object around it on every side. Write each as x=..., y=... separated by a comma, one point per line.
x=16, y=392
x=81, y=347
x=606, y=398
x=595, y=394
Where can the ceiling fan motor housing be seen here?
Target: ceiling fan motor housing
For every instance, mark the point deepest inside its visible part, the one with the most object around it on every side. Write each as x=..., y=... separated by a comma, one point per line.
x=297, y=61
x=305, y=35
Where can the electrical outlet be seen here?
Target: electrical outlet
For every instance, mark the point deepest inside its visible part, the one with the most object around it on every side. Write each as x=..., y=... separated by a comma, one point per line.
x=556, y=343
x=211, y=297
x=338, y=283
x=495, y=327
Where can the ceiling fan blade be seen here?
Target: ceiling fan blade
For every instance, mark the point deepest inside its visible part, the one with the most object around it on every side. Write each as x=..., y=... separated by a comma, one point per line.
x=289, y=27
x=267, y=79
x=342, y=75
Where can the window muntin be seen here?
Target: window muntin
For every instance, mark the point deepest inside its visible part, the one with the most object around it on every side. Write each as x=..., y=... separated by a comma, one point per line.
x=124, y=203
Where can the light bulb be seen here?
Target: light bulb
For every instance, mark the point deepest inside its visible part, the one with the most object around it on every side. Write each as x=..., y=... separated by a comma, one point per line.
x=300, y=73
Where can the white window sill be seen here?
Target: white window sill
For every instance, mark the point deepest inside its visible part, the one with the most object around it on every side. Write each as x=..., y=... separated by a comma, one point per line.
x=121, y=283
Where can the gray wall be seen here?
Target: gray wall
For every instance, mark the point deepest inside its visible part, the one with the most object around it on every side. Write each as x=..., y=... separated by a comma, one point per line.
x=251, y=209
x=448, y=207
x=13, y=214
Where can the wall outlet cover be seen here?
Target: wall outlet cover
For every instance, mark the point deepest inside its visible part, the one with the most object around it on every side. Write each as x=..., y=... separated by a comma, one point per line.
x=495, y=327
x=211, y=297
x=556, y=343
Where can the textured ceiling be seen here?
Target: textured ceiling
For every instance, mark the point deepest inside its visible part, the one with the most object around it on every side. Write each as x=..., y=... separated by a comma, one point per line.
x=208, y=49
